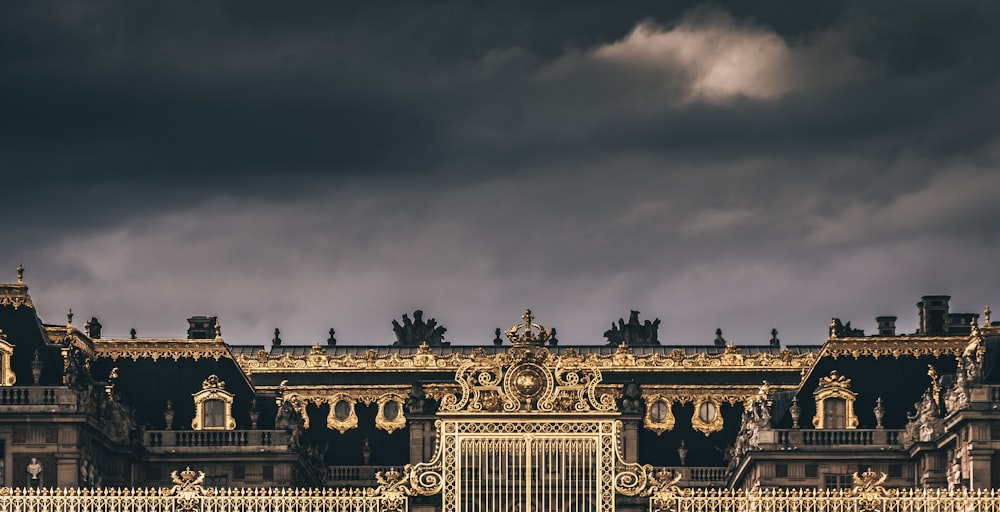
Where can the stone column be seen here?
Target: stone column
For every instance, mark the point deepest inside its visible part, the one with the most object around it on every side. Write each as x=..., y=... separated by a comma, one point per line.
x=980, y=475
x=421, y=438
x=630, y=437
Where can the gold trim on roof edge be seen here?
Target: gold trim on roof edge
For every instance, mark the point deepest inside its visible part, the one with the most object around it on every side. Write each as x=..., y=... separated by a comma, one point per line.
x=915, y=346
x=623, y=358
x=15, y=295
x=161, y=348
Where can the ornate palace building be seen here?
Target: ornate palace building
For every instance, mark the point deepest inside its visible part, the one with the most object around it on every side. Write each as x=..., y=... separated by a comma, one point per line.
x=524, y=423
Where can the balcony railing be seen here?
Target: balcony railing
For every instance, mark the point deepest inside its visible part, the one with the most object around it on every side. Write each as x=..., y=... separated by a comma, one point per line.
x=353, y=476
x=37, y=399
x=201, y=441
x=834, y=438
x=698, y=476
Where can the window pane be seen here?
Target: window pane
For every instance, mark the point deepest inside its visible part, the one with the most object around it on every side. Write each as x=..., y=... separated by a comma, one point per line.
x=214, y=413
x=390, y=410
x=706, y=412
x=835, y=413
x=658, y=411
x=342, y=410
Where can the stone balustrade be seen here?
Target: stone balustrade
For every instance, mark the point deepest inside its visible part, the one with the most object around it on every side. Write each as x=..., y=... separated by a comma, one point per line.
x=204, y=441
x=849, y=439
x=37, y=399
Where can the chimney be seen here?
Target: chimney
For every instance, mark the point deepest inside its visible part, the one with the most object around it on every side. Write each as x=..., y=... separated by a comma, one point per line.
x=201, y=327
x=886, y=325
x=933, y=311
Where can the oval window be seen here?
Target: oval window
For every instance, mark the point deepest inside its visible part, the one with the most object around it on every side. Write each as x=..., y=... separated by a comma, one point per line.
x=342, y=410
x=390, y=410
x=658, y=411
x=707, y=412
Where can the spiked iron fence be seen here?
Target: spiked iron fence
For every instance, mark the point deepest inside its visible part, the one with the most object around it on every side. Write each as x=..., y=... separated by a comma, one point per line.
x=188, y=496
x=820, y=500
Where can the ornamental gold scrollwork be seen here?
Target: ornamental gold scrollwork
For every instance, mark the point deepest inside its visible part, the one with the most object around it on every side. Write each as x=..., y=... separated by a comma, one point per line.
x=342, y=416
x=436, y=359
x=869, y=490
x=390, y=415
x=160, y=348
x=659, y=415
x=707, y=417
x=528, y=380
x=427, y=478
x=15, y=296
x=896, y=347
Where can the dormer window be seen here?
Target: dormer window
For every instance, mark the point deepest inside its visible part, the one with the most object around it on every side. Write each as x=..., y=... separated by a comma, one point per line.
x=7, y=377
x=213, y=406
x=835, y=403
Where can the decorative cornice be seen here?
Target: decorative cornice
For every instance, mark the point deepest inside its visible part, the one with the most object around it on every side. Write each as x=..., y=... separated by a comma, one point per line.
x=531, y=380
x=160, y=348
x=898, y=346
x=425, y=360
x=15, y=295
x=733, y=395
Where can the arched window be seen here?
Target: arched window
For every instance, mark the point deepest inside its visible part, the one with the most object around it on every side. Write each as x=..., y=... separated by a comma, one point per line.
x=834, y=403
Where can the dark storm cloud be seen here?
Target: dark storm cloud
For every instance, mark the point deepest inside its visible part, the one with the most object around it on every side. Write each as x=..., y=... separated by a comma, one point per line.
x=731, y=165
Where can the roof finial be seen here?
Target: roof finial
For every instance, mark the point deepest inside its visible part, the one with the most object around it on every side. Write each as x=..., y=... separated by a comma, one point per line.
x=523, y=335
x=276, y=341
x=986, y=316
x=218, y=329
x=20, y=273
x=69, y=317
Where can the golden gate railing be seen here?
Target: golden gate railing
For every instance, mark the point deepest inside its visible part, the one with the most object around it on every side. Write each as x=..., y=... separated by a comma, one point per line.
x=187, y=495
x=820, y=500
x=213, y=500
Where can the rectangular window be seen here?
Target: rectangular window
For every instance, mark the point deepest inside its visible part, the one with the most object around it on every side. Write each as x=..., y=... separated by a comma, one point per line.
x=3, y=457
x=835, y=413
x=838, y=482
x=153, y=473
x=239, y=472
x=267, y=472
x=895, y=471
x=781, y=470
x=214, y=414
x=995, y=430
x=215, y=481
x=811, y=470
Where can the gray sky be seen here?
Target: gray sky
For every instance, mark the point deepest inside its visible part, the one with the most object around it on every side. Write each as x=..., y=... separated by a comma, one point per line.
x=324, y=164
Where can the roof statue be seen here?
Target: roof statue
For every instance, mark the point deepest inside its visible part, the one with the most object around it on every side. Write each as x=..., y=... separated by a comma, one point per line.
x=839, y=330
x=633, y=333
x=719, y=340
x=414, y=332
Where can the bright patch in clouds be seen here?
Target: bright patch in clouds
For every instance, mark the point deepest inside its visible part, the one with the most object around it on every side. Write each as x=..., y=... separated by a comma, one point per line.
x=720, y=58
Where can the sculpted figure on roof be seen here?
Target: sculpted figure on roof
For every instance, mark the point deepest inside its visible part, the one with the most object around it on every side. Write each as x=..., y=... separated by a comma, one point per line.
x=633, y=333
x=414, y=332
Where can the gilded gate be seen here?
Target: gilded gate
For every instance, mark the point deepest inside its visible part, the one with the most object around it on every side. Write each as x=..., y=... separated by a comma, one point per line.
x=528, y=432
